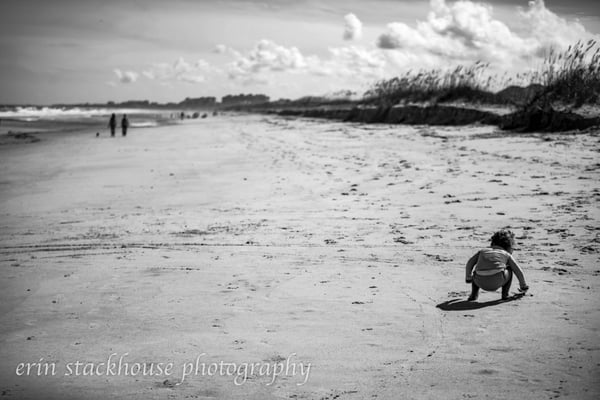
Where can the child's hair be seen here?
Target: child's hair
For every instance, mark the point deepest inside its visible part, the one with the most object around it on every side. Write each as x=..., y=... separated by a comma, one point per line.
x=504, y=238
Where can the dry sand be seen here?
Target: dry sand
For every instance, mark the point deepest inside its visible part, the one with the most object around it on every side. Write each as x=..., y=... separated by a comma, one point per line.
x=261, y=239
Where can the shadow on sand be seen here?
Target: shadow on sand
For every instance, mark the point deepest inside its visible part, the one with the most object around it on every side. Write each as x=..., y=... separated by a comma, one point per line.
x=462, y=305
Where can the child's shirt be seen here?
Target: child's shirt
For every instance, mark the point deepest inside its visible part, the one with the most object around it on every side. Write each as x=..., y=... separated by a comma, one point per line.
x=492, y=260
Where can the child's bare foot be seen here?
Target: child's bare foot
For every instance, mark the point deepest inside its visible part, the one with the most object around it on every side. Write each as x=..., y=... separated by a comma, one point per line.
x=472, y=297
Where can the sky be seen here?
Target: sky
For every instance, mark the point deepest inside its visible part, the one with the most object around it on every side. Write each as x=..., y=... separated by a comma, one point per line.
x=73, y=51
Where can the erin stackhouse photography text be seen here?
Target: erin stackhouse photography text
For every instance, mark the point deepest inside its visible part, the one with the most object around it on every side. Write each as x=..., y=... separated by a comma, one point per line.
x=121, y=365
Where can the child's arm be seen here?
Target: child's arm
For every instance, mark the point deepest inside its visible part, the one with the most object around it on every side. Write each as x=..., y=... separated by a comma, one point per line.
x=470, y=265
x=516, y=269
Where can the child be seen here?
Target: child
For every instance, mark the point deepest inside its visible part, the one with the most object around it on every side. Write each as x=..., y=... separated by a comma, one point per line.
x=493, y=268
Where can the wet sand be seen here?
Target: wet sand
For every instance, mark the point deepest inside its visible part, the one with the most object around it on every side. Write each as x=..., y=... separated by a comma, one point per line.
x=262, y=239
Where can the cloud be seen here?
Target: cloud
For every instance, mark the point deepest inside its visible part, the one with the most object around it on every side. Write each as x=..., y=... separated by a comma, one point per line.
x=180, y=70
x=224, y=49
x=461, y=30
x=220, y=49
x=550, y=30
x=126, y=76
x=267, y=58
x=352, y=27
x=354, y=61
x=465, y=31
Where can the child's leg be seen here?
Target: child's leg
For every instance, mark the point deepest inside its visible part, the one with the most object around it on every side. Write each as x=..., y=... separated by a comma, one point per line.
x=508, y=275
x=474, y=291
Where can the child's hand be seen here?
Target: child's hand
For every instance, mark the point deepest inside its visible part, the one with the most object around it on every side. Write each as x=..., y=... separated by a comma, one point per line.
x=524, y=288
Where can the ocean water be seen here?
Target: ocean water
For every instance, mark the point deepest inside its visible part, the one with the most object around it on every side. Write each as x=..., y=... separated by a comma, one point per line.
x=36, y=113
x=20, y=119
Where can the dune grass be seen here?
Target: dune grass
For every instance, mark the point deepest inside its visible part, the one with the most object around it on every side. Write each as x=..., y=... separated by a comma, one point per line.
x=571, y=77
x=431, y=85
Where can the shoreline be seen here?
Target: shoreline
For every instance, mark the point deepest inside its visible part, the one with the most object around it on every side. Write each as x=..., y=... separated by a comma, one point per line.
x=508, y=118
x=34, y=128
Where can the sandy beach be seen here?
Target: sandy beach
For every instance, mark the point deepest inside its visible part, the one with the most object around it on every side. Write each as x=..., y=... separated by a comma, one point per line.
x=335, y=248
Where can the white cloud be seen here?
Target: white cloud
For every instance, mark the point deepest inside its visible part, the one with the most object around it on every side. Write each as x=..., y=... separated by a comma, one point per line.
x=180, y=70
x=549, y=30
x=126, y=76
x=220, y=49
x=355, y=61
x=465, y=31
x=352, y=27
x=268, y=57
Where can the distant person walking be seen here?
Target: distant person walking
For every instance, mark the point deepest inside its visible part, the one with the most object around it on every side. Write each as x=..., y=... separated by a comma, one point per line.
x=124, y=124
x=112, y=124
